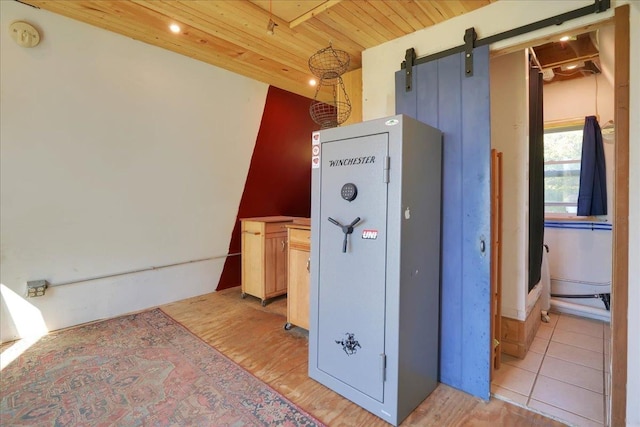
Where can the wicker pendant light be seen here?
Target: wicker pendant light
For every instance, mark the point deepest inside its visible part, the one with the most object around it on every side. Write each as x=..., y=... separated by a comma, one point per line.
x=328, y=65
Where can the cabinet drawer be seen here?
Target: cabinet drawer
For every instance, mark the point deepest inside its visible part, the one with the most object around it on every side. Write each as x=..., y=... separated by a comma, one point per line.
x=276, y=227
x=261, y=228
x=252, y=227
x=300, y=238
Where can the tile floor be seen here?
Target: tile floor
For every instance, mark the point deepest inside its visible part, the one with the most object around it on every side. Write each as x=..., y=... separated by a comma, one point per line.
x=564, y=375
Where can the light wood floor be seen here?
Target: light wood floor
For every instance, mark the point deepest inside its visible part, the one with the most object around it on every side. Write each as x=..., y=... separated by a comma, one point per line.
x=253, y=336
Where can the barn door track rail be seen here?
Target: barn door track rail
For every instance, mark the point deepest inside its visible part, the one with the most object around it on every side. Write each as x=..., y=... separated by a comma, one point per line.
x=470, y=39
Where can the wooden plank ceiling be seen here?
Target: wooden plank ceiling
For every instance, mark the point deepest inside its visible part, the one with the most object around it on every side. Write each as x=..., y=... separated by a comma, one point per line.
x=232, y=34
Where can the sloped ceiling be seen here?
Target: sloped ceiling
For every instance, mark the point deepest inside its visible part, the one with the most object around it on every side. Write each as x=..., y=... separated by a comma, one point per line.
x=232, y=34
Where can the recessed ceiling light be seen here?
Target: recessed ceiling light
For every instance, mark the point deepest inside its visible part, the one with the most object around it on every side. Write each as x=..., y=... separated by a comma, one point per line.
x=313, y=82
x=565, y=39
x=572, y=66
x=175, y=28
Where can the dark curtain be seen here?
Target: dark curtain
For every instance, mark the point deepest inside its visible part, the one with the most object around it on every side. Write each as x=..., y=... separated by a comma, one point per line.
x=592, y=197
x=536, y=177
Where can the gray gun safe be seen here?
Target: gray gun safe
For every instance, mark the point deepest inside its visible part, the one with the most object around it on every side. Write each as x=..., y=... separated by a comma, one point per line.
x=375, y=263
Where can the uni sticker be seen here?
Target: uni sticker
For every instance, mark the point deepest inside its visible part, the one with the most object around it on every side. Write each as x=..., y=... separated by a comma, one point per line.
x=370, y=234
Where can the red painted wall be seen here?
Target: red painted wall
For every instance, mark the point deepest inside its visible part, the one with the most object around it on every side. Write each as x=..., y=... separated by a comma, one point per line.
x=279, y=178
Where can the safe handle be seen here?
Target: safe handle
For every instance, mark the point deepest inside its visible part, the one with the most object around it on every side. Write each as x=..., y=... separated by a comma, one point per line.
x=346, y=229
x=353, y=224
x=333, y=221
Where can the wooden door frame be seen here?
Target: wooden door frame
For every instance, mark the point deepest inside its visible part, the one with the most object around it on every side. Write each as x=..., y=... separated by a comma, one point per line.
x=620, y=250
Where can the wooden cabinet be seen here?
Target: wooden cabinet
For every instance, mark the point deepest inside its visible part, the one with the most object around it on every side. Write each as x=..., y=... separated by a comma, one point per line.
x=299, y=237
x=264, y=256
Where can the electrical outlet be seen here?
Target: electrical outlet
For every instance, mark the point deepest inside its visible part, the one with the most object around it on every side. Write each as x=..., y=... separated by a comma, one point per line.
x=36, y=288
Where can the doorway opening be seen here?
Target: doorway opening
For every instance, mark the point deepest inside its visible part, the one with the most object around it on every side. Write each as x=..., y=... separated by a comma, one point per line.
x=565, y=371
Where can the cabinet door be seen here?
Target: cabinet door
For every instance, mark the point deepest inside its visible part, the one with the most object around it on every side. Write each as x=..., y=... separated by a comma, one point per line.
x=281, y=265
x=298, y=292
x=275, y=265
x=252, y=264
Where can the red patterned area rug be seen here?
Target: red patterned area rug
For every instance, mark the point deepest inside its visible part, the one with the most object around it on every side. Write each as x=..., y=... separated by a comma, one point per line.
x=143, y=369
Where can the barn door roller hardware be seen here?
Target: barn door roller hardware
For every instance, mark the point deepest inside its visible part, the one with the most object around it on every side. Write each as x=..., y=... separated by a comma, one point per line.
x=409, y=57
x=597, y=7
x=470, y=37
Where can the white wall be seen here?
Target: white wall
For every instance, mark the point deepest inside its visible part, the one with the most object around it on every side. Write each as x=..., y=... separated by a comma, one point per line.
x=378, y=74
x=116, y=156
x=510, y=135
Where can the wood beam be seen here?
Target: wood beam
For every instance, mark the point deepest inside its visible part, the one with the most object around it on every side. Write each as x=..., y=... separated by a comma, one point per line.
x=558, y=53
x=620, y=269
x=575, y=60
x=313, y=12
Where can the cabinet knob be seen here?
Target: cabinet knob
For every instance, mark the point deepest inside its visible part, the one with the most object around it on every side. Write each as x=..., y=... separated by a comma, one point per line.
x=284, y=245
x=309, y=265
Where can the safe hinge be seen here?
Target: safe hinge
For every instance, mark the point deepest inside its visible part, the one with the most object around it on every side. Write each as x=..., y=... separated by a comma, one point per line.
x=383, y=366
x=387, y=165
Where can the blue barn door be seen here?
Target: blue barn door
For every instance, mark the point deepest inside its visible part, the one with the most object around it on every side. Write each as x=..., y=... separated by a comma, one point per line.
x=443, y=97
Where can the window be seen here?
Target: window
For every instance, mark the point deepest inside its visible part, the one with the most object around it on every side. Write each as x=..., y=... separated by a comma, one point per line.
x=562, y=152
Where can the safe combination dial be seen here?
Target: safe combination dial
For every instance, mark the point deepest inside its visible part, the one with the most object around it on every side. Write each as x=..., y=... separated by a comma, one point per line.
x=349, y=192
